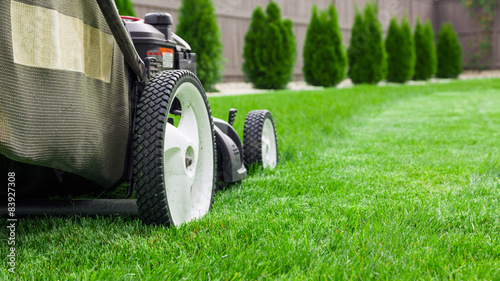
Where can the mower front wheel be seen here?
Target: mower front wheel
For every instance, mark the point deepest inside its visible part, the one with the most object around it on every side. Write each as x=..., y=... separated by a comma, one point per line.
x=260, y=145
x=174, y=165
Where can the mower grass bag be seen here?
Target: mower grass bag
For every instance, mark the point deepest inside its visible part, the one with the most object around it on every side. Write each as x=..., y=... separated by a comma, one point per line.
x=64, y=87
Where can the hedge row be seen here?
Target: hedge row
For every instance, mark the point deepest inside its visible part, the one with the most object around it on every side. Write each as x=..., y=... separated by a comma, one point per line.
x=403, y=56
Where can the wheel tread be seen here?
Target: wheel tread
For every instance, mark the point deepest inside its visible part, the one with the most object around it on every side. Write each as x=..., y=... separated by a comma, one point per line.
x=148, y=149
x=252, y=136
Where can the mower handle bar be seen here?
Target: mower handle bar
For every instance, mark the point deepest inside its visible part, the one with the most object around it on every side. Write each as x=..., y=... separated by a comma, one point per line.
x=123, y=39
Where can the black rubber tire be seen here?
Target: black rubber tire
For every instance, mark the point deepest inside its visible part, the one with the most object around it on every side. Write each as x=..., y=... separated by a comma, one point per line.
x=252, y=137
x=152, y=115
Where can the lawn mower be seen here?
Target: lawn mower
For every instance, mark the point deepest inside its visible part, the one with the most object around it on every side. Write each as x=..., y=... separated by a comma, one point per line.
x=90, y=97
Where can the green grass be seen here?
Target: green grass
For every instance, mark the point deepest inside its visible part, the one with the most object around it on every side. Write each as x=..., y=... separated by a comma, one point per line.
x=396, y=182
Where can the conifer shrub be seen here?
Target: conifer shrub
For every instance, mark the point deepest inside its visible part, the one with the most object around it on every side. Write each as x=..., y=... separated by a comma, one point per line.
x=269, y=50
x=429, y=34
x=313, y=71
x=366, y=52
x=400, y=52
x=324, y=56
x=125, y=8
x=254, y=42
x=392, y=41
x=449, y=53
x=356, y=43
x=197, y=25
x=290, y=45
x=425, y=51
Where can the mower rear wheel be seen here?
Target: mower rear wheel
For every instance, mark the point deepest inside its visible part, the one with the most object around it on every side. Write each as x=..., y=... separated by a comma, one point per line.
x=260, y=145
x=174, y=166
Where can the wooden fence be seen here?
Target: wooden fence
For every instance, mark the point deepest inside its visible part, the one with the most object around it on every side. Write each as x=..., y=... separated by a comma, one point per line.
x=234, y=18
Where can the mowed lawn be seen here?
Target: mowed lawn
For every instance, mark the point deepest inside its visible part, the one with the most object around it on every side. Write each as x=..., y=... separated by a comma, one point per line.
x=392, y=182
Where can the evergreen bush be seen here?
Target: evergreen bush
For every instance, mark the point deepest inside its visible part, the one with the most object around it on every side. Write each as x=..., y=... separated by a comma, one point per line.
x=253, y=42
x=324, y=57
x=429, y=34
x=449, y=53
x=425, y=51
x=125, y=8
x=269, y=51
x=356, y=43
x=340, y=58
x=367, y=52
x=400, y=52
x=392, y=42
x=198, y=26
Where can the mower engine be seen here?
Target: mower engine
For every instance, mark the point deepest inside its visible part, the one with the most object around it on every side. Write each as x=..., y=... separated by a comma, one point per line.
x=157, y=45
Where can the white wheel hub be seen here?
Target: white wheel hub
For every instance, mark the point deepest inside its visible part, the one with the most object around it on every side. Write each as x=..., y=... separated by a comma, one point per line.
x=269, y=158
x=188, y=162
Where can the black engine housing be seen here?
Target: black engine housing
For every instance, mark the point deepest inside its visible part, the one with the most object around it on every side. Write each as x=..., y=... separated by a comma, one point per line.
x=153, y=38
